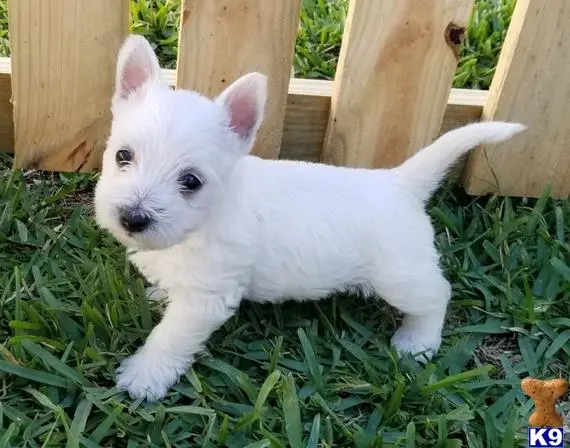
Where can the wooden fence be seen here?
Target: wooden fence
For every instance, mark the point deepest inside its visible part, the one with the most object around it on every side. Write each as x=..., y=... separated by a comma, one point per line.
x=391, y=95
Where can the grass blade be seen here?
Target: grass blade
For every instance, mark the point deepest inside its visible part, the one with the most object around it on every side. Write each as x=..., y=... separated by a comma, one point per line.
x=315, y=432
x=33, y=375
x=79, y=421
x=292, y=412
x=5, y=440
x=265, y=390
x=54, y=363
x=558, y=343
x=235, y=375
x=441, y=432
x=538, y=210
x=450, y=380
x=528, y=354
x=561, y=267
x=276, y=354
x=510, y=430
x=312, y=362
x=43, y=400
x=396, y=398
x=105, y=426
x=411, y=435
x=192, y=410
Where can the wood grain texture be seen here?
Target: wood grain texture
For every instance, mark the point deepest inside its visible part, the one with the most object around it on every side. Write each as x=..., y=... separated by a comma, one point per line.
x=531, y=86
x=306, y=116
x=308, y=109
x=393, y=79
x=221, y=40
x=63, y=71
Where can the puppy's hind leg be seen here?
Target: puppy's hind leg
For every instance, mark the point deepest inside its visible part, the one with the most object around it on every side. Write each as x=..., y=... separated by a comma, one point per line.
x=423, y=298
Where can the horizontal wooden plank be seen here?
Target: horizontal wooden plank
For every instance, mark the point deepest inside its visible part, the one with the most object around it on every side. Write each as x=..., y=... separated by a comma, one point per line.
x=308, y=106
x=306, y=117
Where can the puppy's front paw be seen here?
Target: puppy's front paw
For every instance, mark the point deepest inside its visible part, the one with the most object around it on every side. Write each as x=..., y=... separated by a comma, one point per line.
x=148, y=375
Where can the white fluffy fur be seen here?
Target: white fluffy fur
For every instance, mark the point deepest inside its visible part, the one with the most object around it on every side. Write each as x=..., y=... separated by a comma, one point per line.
x=258, y=229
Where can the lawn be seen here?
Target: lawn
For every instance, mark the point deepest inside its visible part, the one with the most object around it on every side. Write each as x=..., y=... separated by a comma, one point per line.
x=314, y=375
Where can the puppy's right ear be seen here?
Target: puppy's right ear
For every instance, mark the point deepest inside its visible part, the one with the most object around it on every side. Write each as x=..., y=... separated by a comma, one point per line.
x=137, y=69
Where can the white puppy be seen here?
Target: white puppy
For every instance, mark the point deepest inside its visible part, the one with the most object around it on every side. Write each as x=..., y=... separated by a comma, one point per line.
x=211, y=225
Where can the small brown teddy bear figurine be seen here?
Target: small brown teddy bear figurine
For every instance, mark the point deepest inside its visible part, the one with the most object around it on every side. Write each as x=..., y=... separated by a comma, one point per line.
x=545, y=394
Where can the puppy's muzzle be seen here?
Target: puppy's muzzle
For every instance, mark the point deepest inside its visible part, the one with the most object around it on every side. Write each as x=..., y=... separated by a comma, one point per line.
x=134, y=220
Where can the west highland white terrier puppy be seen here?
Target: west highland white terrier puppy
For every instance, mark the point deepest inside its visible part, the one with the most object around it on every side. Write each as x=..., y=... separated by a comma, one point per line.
x=212, y=225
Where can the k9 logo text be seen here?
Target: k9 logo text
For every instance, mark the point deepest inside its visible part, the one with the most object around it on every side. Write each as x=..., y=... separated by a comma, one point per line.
x=546, y=437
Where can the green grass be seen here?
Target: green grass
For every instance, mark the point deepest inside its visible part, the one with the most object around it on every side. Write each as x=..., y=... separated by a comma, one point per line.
x=293, y=375
x=313, y=375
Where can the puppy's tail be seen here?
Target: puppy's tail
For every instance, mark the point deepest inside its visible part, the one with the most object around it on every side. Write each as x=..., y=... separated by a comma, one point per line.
x=424, y=171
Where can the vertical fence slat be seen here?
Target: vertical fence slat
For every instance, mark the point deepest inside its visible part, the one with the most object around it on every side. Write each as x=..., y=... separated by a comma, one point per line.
x=221, y=40
x=6, y=109
x=532, y=86
x=393, y=79
x=63, y=71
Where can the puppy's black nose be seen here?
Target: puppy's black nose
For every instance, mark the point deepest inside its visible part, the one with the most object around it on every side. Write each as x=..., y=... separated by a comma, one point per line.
x=134, y=220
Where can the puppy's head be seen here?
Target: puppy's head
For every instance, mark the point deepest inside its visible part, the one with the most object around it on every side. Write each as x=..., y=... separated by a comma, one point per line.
x=170, y=152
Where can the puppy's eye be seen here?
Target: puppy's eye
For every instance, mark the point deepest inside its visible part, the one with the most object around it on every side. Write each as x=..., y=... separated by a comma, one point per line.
x=190, y=182
x=124, y=156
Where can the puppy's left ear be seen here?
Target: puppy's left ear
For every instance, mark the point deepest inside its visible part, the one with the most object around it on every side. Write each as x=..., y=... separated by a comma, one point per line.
x=244, y=102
